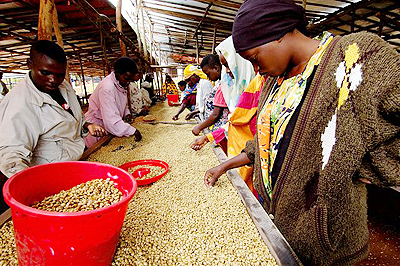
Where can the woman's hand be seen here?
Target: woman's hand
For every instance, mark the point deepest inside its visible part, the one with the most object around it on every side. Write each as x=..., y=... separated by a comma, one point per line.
x=199, y=143
x=96, y=130
x=365, y=181
x=175, y=117
x=196, y=130
x=212, y=175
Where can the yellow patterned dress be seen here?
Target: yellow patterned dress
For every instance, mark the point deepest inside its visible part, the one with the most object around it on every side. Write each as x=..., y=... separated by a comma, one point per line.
x=279, y=108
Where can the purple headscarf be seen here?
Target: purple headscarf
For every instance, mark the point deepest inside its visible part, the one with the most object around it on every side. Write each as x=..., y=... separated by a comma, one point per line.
x=261, y=21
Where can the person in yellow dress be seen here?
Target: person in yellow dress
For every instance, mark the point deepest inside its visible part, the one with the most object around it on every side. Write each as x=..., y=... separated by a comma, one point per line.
x=169, y=86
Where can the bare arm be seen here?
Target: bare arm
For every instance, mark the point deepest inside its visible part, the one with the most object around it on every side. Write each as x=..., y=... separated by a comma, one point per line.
x=181, y=109
x=213, y=174
x=217, y=112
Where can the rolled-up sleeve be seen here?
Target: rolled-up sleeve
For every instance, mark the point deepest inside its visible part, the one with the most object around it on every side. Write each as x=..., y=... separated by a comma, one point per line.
x=250, y=149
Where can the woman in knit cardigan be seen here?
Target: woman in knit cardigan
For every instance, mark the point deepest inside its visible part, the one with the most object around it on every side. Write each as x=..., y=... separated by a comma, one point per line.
x=327, y=124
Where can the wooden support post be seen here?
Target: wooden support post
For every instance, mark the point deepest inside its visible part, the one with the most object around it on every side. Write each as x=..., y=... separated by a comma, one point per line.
x=304, y=4
x=118, y=19
x=159, y=81
x=103, y=46
x=139, y=35
x=45, y=20
x=353, y=17
x=155, y=84
x=48, y=19
x=151, y=43
x=104, y=67
x=197, y=50
x=83, y=76
x=146, y=55
x=381, y=23
x=56, y=27
x=92, y=83
x=214, y=39
x=59, y=37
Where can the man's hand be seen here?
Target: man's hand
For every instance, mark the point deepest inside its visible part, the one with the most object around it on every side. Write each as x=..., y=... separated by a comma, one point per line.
x=212, y=175
x=96, y=130
x=196, y=130
x=175, y=117
x=199, y=143
x=128, y=119
x=137, y=135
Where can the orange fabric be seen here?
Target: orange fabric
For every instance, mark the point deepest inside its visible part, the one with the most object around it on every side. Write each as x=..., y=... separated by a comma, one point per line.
x=239, y=131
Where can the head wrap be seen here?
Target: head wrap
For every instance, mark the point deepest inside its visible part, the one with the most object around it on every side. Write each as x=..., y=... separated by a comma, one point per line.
x=192, y=69
x=262, y=21
x=241, y=69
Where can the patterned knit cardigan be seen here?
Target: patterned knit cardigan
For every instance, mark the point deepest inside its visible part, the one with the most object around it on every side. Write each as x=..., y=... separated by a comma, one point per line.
x=348, y=127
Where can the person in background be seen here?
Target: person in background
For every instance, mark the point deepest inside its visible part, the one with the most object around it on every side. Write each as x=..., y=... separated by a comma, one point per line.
x=147, y=84
x=146, y=100
x=138, y=100
x=239, y=73
x=235, y=77
x=216, y=110
x=3, y=87
x=327, y=125
x=169, y=86
x=240, y=128
x=196, y=91
x=202, y=87
x=233, y=135
x=108, y=105
x=182, y=86
x=41, y=120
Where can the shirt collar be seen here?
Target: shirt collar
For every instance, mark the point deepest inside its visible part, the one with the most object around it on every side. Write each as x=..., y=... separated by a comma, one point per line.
x=116, y=83
x=38, y=97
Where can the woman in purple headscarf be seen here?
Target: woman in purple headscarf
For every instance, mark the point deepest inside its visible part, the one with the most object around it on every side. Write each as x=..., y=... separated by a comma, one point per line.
x=327, y=124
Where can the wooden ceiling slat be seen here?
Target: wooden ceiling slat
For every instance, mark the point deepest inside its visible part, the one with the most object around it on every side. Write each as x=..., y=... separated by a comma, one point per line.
x=177, y=23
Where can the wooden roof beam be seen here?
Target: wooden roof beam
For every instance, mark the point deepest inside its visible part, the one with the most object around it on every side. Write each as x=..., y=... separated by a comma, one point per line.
x=22, y=26
x=202, y=19
x=184, y=16
x=316, y=4
x=222, y=3
x=365, y=17
x=104, y=24
x=341, y=12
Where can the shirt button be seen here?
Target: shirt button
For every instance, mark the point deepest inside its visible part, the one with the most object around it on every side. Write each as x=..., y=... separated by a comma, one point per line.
x=271, y=216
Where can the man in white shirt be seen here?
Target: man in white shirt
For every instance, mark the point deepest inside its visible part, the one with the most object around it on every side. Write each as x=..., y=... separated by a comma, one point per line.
x=41, y=120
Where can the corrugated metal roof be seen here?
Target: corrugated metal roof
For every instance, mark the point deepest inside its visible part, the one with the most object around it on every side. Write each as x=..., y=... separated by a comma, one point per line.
x=176, y=31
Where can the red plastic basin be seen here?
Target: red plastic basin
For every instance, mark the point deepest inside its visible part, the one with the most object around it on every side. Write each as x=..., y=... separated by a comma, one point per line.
x=143, y=171
x=173, y=99
x=54, y=238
